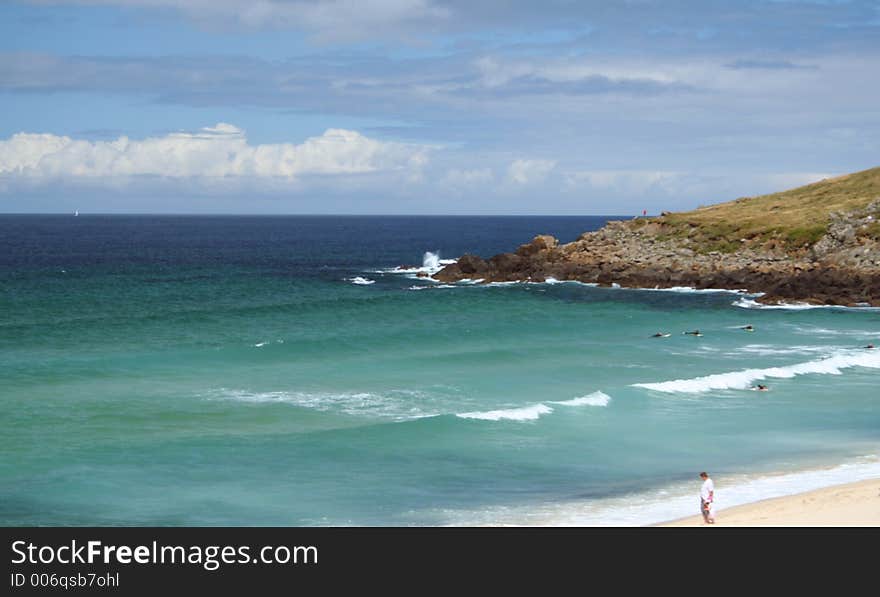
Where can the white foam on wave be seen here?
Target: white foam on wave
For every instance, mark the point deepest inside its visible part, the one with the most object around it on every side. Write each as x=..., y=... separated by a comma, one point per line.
x=594, y=399
x=768, y=350
x=525, y=413
x=431, y=264
x=501, y=284
x=552, y=281
x=427, y=287
x=738, y=380
x=747, y=303
x=692, y=290
x=361, y=281
x=534, y=411
x=394, y=404
x=817, y=331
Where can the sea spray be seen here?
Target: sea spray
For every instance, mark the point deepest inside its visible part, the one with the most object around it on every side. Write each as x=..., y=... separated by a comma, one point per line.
x=431, y=264
x=431, y=260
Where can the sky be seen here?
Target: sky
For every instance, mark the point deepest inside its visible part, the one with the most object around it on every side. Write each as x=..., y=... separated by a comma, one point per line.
x=430, y=106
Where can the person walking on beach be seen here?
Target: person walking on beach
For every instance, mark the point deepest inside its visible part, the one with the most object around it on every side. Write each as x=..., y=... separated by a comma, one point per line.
x=707, y=498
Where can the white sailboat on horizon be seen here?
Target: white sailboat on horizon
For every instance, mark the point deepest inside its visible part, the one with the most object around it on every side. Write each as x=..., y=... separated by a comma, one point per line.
x=76, y=212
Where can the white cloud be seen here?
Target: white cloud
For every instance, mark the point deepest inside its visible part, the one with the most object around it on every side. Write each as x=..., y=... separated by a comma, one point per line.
x=213, y=153
x=529, y=171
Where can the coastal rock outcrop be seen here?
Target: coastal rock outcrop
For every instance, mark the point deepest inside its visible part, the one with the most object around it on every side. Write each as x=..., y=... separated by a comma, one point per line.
x=841, y=268
x=819, y=243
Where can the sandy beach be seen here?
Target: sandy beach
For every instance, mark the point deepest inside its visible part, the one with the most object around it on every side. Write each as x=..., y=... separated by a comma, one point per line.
x=853, y=504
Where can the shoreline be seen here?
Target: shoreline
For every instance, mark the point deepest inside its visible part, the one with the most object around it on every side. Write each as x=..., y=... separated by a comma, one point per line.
x=848, y=504
x=675, y=505
x=746, y=300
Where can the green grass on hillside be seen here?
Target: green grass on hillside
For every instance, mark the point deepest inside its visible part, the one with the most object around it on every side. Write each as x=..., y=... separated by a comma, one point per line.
x=791, y=220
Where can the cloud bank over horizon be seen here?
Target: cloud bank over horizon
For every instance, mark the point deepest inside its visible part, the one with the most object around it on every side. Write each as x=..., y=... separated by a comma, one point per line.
x=212, y=152
x=218, y=161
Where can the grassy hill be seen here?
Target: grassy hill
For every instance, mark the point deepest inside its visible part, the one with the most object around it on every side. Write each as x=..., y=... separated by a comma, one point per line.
x=790, y=220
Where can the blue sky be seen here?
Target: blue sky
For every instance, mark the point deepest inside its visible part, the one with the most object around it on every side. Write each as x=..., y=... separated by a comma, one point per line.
x=430, y=106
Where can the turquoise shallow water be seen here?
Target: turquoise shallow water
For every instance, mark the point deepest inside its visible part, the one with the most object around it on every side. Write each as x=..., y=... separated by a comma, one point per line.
x=287, y=371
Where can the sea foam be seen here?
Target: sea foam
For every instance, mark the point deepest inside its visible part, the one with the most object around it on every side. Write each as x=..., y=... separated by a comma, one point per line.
x=747, y=303
x=594, y=399
x=692, y=290
x=769, y=350
x=534, y=411
x=738, y=380
x=398, y=405
x=526, y=413
x=431, y=264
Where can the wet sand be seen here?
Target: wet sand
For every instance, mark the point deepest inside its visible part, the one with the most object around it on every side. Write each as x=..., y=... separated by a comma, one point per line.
x=853, y=504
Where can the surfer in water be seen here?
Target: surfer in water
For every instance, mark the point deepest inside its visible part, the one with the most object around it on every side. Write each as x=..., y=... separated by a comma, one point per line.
x=869, y=346
x=760, y=387
x=693, y=333
x=748, y=328
x=660, y=335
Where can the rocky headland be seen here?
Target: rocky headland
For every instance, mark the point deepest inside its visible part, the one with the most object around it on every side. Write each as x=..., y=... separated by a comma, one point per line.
x=818, y=244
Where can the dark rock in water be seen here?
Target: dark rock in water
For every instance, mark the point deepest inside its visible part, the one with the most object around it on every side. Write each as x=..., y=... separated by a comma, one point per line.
x=506, y=263
x=841, y=270
x=471, y=264
x=467, y=267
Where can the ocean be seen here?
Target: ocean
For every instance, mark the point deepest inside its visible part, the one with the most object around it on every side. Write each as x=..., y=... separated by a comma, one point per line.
x=297, y=370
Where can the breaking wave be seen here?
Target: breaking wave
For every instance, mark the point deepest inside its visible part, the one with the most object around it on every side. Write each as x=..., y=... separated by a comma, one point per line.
x=533, y=412
x=594, y=399
x=431, y=264
x=747, y=303
x=526, y=413
x=739, y=380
